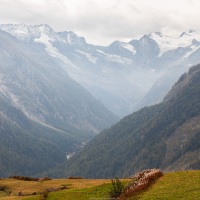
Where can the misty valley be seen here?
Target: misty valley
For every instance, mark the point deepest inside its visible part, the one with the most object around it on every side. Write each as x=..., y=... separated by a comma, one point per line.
x=75, y=111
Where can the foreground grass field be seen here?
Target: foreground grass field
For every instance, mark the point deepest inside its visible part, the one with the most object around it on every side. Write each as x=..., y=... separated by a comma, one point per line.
x=76, y=189
x=172, y=186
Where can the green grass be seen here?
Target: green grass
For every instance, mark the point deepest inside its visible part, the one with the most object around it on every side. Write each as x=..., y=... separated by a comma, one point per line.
x=174, y=186
x=81, y=194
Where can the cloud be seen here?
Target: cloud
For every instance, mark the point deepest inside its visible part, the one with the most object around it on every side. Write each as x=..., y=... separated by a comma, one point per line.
x=104, y=21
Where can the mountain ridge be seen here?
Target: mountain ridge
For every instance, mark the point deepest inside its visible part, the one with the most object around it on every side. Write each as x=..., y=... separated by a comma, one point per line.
x=45, y=115
x=106, y=70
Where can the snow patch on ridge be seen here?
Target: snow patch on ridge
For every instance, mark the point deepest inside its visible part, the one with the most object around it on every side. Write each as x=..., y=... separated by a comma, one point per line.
x=90, y=57
x=51, y=50
x=167, y=43
x=115, y=58
x=129, y=47
x=193, y=49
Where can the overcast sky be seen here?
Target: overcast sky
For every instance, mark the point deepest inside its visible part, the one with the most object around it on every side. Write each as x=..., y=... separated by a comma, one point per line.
x=103, y=21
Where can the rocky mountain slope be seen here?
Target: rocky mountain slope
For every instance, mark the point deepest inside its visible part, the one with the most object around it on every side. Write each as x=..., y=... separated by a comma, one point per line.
x=146, y=67
x=44, y=113
x=35, y=83
x=163, y=136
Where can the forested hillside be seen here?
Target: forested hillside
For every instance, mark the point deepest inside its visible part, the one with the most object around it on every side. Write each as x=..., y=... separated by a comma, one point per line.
x=27, y=147
x=163, y=136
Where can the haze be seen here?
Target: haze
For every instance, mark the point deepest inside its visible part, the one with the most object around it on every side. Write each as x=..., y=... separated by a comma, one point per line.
x=101, y=22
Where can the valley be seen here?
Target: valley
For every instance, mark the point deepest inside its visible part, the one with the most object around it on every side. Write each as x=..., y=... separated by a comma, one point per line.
x=62, y=99
x=164, y=136
x=99, y=100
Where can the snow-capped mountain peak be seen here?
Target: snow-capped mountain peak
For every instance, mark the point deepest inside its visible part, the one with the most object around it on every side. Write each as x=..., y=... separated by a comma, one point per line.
x=157, y=34
x=191, y=32
x=44, y=28
x=25, y=32
x=147, y=58
x=72, y=39
x=167, y=43
x=20, y=31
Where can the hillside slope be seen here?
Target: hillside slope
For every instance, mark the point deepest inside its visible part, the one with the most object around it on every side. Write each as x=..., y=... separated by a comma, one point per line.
x=163, y=136
x=36, y=83
x=176, y=185
x=44, y=113
x=27, y=147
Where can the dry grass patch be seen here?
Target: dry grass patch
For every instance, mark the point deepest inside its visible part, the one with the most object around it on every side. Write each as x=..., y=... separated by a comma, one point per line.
x=37, y=187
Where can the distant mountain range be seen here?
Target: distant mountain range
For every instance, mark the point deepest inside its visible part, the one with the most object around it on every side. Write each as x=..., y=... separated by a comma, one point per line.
x=163, y=136
x=44, y=114
x=124, y=76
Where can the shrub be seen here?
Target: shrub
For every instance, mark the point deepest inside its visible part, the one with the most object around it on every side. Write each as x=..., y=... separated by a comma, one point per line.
x=2, y=188
x=24, y=178
x=116, y=189
x=74, y=177
x=44, y=195
x=5, y=189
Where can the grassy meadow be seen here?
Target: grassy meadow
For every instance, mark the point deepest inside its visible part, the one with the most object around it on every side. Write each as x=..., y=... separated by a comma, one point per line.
x=183, y=185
